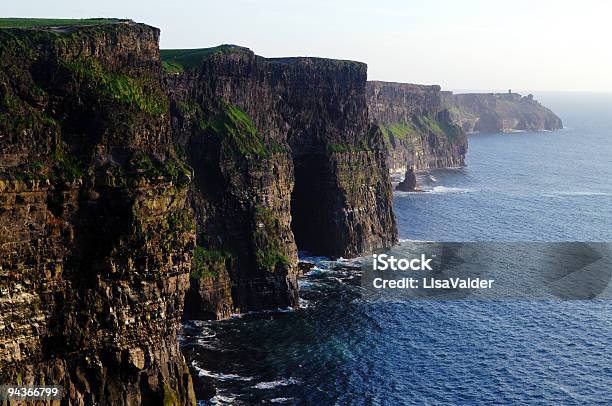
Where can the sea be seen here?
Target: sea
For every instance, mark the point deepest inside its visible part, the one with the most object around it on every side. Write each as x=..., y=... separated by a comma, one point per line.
x=345, y=347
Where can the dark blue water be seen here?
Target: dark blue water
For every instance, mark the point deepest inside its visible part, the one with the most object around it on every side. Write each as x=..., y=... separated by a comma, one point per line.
x=545, y=186
x=342, y=348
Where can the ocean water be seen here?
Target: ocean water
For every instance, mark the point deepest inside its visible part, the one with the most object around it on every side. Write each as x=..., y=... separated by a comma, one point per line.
x=344, y=347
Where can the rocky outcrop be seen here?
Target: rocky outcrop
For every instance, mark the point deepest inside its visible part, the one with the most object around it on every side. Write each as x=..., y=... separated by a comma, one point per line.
x=284, y=158
x=409, y=184
x=417, y=128
x=95, y=232
x=499, y=112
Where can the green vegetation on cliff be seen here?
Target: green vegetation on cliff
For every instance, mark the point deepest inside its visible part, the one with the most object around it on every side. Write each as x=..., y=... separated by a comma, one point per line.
x=179, y=60
x=17, y=116
x=66, y=166
x=144, y=166
x=207, y=263
x=237, y=132
x=120, y=87
x=268, y=250
x=439, y=127
x=54, y=22
x=398, y=130
x=420, y=125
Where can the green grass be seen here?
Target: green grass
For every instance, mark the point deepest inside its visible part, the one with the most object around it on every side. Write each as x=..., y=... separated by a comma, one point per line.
x=120, y=87
x=153, y=168
x=237, y=132
x=179, y=60
x=66, y=167
x=171, y=398
x=269, y=254
x=53, y=22
x=439, y=127
x=173, y=67
x=420, y=125
x=399, y=131
x=205, y=263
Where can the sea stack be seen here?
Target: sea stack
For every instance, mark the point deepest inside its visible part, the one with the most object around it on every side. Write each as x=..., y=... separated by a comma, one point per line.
x=409, y=184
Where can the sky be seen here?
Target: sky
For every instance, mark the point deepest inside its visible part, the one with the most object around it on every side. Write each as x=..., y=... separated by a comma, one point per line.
x=484, y=45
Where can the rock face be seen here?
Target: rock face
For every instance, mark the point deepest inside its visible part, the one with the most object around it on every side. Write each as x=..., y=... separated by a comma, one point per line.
x=409, y=184
x=95, y=235
x=417, y=128
x=126, y=191
x=499, y=112
x=284, y=158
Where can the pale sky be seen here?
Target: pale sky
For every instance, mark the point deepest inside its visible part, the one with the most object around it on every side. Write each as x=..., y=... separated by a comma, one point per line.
x=529, y=45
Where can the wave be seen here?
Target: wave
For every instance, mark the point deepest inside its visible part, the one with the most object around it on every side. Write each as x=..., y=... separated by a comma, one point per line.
x=406, y=240
x=221, y=400
x=311, y=259
x=287, y=309
x=275, y=384
x=446, y=189
x=577, y=193
x=400, y=193
x=282, y=400
x=218, y=375
x=435, y=190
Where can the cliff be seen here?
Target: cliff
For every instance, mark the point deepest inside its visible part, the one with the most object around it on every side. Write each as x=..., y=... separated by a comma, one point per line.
x=417, y=128
x=284, y=159
x=499, y=112
x=95, y=233
x=135, y=193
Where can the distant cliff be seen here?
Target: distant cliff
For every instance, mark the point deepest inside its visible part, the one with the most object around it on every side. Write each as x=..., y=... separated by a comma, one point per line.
x=418, y=130
x=284, y=158
x=499, y=112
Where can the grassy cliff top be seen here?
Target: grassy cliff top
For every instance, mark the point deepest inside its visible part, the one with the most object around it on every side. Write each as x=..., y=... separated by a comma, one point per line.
x=315, y=60
x=55, y=22
x=179, y=60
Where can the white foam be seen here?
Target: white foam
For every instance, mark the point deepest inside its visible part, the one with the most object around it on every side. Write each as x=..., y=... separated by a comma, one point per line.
x=577, y=193
x=400, y=193
x=218, y=375
x=403, y=240
x=220, y=400
x=275, y=384
x=445, y=189
x=304, y=257
x=281, y=400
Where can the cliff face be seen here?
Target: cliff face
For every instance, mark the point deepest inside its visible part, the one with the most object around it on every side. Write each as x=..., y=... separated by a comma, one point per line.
x=95, y=235
x=417, y=128
x=105, y=231
x=284, y=158
x=499, y=112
